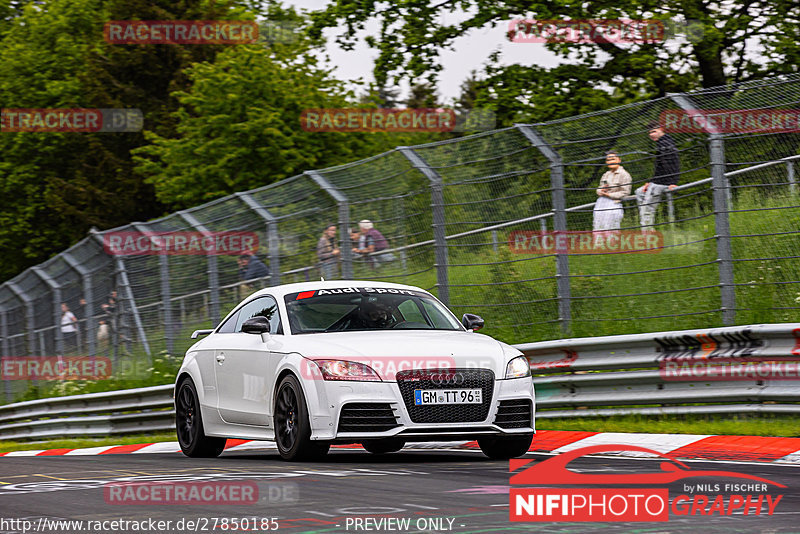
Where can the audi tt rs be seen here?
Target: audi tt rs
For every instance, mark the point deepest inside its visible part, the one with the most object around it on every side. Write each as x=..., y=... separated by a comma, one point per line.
x=375, y=363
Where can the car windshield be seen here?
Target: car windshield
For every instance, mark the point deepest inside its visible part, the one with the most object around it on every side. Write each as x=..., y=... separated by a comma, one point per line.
x=351, y=309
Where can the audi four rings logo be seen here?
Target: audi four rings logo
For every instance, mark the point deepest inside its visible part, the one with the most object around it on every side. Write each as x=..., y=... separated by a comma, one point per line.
x=447, y=379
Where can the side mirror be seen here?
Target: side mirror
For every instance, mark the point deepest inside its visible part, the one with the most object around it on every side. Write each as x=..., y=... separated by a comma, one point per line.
x=472, y=322
x=256, y=325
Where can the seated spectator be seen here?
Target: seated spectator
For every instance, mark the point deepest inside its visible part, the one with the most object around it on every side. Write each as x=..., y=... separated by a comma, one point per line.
x=614, y=185
x=328, y=252
x=373, y=242
x=251, y=267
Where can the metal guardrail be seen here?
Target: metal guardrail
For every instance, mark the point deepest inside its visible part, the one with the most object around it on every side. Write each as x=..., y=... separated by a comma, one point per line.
x=584, y=377
x=94, y=414
x=619, y=375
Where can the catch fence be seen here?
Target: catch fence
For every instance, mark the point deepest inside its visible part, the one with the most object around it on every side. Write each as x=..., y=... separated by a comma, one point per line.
x=450, y=211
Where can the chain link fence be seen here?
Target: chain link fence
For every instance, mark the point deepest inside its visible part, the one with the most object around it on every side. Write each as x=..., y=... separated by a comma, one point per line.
x=728, y=249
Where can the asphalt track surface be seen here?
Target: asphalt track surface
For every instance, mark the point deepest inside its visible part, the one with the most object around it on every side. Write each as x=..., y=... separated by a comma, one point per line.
x=437, y=490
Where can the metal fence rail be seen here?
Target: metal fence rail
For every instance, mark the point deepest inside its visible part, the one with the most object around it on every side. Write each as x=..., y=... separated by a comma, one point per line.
x=586, y=377
x=448, y=211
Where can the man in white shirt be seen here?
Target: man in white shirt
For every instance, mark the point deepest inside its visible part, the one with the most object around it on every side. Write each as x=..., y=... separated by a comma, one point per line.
x=614, y=185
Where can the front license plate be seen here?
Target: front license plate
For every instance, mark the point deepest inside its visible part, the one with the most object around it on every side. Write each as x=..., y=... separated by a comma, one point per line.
x=447, y=396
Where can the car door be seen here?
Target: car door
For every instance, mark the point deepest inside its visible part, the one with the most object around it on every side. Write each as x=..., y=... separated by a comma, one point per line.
x=245, y=367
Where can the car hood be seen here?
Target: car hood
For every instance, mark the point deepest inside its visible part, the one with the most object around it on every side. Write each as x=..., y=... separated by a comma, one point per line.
x=390, y=351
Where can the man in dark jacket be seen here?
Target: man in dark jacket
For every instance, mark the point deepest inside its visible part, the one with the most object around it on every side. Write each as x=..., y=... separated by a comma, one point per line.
x=665, y=176
x=251, y=267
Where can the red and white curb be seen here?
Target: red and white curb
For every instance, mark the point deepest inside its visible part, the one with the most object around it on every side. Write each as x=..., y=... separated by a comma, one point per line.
x=688, y=446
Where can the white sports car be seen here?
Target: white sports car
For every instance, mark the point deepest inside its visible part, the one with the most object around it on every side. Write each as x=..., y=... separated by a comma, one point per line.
x=380, y=364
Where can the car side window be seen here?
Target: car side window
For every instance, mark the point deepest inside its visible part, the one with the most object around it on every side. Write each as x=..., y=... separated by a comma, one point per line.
x=229, y=326
x=263, y=306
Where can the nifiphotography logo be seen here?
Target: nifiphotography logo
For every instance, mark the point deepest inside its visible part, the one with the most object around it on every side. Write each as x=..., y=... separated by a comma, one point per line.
x=610, y=497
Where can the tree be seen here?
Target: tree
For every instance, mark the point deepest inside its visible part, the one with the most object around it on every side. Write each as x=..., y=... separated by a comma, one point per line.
x=713, y=46
x=55, y=186
x=238, y=127
x=423, y=95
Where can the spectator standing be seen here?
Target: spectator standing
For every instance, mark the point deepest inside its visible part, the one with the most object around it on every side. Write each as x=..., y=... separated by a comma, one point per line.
x=665, y=176
x=614, y=185
x=69, y=328
x=328, y=253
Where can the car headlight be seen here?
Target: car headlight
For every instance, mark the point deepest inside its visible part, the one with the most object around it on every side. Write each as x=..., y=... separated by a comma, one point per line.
x=345, y=370
x=518, y=368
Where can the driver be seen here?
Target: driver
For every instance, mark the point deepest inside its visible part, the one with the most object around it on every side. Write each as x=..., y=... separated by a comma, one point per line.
x=374, y=315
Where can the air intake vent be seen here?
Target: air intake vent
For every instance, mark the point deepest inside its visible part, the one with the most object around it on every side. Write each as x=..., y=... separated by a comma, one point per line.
x=367, y=417
x=514, y=414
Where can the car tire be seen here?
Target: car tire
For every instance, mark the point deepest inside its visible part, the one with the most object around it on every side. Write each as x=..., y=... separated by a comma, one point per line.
x=383, y=446
x=189, y=424
x=505, y=447
x=292, y=427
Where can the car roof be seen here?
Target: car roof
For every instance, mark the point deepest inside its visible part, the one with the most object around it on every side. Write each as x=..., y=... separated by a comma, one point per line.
x=280, y=291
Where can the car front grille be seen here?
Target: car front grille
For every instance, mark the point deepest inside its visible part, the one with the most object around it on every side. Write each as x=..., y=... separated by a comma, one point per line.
x=408, y=381
x=514, y=413
x=367, y=417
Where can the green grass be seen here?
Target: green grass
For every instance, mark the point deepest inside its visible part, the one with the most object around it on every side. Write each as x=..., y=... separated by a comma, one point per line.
x=80, y=443
x=782, y=426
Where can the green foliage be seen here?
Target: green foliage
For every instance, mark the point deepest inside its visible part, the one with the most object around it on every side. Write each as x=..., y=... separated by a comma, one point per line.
x=704, y=46
x=55, y=186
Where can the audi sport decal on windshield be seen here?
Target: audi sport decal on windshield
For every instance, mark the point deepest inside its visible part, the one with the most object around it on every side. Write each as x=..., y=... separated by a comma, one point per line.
x=355, y=290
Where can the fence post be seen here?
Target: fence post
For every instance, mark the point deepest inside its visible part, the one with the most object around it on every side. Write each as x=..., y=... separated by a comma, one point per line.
x=86, y=279
x=344, y=221
x=439, y=233
x=213, y=273
x=166, y=295
x=790, y=176
x=4, y=348
x=559, y=221
x=721, y=195
x=29, y=317
x=55, y=287
x=273, y=243
x=123, y=282
x=721, y=198
x=3, y=332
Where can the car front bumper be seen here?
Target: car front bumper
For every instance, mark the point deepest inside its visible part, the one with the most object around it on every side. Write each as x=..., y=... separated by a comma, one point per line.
x=329, y=402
